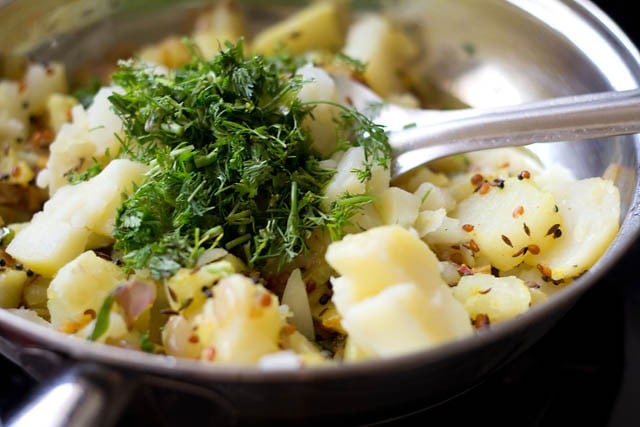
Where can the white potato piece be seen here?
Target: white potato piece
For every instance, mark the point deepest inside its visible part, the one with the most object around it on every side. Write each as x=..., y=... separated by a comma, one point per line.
x=397, y=206
x=433, y=197
x=81, y=285
x=500, y=298
x=319, y=26
x=224, y=22
x=590, y=211
x=384, y=49
x=345, y=181
x=73, y=216
x=389, y=273
x=400, y=320
x=240, y=324
x=11, y=284
x=59, y=108
x=40, y=82
x=321, y=124
x=14, y=119
x=511, y=223
x=44, y=245
x=92, y=134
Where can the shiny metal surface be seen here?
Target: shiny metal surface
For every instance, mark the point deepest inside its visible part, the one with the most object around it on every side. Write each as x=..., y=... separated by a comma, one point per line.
x=486, y=53
x=418, y=136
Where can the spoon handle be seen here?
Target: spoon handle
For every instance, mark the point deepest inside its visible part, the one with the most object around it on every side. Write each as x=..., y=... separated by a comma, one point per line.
x=572, y=118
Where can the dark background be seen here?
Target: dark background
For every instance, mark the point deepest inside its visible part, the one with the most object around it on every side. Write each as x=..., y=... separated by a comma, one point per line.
x=586, y=372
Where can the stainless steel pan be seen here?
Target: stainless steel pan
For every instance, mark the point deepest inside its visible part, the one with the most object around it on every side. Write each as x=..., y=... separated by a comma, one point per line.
x=489, y=52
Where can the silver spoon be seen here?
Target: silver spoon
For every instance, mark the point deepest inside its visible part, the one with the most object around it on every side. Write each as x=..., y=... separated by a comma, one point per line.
x=419, y=136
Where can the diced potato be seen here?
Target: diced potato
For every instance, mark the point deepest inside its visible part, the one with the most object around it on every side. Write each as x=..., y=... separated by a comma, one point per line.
x=224, y=22
x=93, y=204
x=63, y=229
x=321, y=124
x=176, y=338
x=34, y=296
x=429, y=221
x=92, y=134
x=590, y=211
x=390, y=279
x=400, y=320
x=41, y=81
x=14, y=119
x=500, y=298
x=59, y=110
x=433, y=197
x=170, y=52
x=46, y=245
x=186, y=288
x=319, y=26
x=11, y=285
x=345, y=181
x=509, y=224
x=30, y=315
x=81, y=285
x=397, y=206
x=384, y=49
x=240, y=324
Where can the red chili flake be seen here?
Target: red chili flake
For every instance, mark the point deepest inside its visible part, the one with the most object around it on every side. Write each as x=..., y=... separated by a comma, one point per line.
x=525, y=174
x=484, y=188
x=288, y=329
x=552, y=229
x=209, y=353
x=534, y=249
x=265, y=299
x=15, y=171
x=546, y=271
x=518, y=211
x=481, y=321
x=465, y=270
x=194, y=339
x=485, y=291
x=477, y=179
x=473, y=246
x=507, y=240
x=22, y=86
x=467, y=227
x=504, y=165
x=310, y=287
x=526, y=229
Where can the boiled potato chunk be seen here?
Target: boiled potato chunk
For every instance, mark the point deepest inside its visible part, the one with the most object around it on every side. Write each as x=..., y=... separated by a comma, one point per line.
x=391, y=293
x=397, y=206
x=240, y=324
x=81, y=285
x=590, y=211
x=400, y=320
x=509, y=223
x=319, y=26
x=186, y=288
x=72, y=216
x=500, y=298
x=46, y=245
x=11, y=285
x=384, y=49
x=41, y=81
x=92, y=134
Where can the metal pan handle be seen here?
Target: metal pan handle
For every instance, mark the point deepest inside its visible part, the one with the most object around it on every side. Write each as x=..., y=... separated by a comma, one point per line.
x=84, y=395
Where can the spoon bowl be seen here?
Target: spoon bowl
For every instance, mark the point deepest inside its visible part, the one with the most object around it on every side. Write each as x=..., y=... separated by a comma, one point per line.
x=420, y=136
